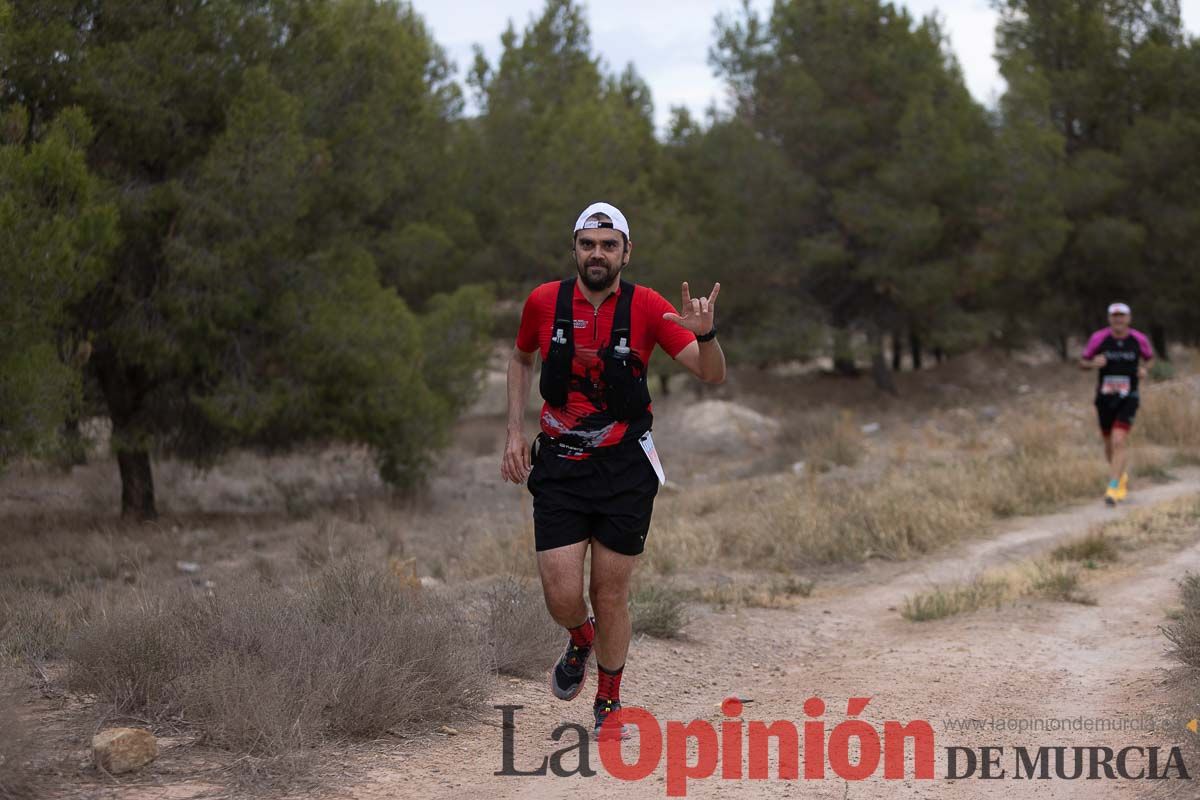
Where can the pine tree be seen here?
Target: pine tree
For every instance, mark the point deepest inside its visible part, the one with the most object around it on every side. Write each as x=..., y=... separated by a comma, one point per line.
x=56, y=232
x=281, y=171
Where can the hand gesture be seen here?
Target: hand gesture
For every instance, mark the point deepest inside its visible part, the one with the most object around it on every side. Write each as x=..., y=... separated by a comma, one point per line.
x=515, y=466
x=1100, y=361
x=697, y=312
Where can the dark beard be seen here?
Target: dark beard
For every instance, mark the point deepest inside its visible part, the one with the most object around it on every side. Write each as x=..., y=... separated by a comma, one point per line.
x=598, y=286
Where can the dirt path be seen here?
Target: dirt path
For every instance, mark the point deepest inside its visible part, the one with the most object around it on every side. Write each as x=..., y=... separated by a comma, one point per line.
x=1029, y=660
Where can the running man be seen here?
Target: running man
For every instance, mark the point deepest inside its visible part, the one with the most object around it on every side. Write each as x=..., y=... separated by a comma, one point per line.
x=593, y=471
x=1122, y=355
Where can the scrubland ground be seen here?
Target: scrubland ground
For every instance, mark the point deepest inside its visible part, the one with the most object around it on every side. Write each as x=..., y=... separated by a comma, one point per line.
x=290, y=629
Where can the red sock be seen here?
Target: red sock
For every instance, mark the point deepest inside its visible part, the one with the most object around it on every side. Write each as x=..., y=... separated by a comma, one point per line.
x=582, y=635
x=608, y=684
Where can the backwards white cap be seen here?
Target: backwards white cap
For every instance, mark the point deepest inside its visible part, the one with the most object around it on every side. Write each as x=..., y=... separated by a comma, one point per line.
x=1118, y=308
x=612, y=212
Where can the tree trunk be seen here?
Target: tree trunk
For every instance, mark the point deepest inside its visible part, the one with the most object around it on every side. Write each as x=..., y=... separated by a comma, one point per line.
x=879, y=369
x=914, y=345
x=1158, y=338
x=137, y=485
x=123, y=392
x=897, y=352
x=1062, y=348
x=843, y=355
x=938, y=355
x=664, y=379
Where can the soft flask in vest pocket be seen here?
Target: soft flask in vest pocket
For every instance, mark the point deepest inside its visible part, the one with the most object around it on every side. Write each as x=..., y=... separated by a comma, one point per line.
x=556, y=369
x=626, y=395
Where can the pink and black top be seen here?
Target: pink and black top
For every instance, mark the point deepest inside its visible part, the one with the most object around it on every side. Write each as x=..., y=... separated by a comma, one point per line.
x=1123, y=356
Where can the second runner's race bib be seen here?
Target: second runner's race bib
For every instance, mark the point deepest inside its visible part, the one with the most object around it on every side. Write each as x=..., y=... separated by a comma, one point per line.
x=1116, y=384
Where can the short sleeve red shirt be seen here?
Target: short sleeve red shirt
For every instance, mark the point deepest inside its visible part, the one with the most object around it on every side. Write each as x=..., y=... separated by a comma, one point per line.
x=583, y=421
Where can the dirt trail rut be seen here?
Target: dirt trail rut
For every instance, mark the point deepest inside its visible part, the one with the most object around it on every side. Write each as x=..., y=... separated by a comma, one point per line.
x=1032, y=660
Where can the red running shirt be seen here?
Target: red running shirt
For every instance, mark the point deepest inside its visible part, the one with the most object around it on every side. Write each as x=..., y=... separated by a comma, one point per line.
x=583, y=422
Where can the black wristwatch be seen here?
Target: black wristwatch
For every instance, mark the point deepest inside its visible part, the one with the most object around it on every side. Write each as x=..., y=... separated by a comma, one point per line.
x=708, y=337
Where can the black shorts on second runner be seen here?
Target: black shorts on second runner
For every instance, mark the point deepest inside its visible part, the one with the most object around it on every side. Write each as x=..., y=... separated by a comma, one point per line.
x=608, y=496
x=1115, y=411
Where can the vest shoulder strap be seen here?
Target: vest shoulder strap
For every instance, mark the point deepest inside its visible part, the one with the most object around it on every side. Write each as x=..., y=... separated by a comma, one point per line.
x=563, y=330
x=623, y=314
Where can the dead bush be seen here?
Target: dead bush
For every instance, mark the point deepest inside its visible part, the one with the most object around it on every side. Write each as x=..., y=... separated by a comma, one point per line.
x=1170, y=415
x=1184, y=632
x=33, y=625
x=524, y=638
x=1092, y=548
x=906, y=510
x=659, y=611
x=262, y=669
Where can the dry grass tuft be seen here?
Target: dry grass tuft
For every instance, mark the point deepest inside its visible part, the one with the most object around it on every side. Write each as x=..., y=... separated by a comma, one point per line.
x=1170, y=415
x=1093, y=548
x=1050, y=579
x=34, y=625
x=775, y=592
x=1173, y=521
x=58, y=561
x=501, y=550
x=264, y=670
x=945, y=601
x=791, y=521
x=659, y=611
x=524, y=638
x=1184, y=632
x=1189, y=591
x=1059, y=577
x=1056, y=580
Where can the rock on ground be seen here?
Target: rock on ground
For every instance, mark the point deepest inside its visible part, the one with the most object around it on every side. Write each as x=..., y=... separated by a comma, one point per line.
x=119, y=750
x=722, y=426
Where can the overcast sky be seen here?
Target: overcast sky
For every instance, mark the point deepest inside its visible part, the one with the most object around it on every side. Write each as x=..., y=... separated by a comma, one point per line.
x=668, y=41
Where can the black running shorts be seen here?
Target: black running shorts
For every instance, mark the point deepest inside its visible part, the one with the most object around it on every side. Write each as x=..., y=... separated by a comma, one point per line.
x=1115, y=411
x=608, y=497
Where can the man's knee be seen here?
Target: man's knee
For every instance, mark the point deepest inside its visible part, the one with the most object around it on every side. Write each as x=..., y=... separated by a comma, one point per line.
x=562, y=601
x=564, y=598
x=561, y=607
x=608, y=596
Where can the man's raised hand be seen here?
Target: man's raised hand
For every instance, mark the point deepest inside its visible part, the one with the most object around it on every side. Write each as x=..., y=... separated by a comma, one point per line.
x=697, y=314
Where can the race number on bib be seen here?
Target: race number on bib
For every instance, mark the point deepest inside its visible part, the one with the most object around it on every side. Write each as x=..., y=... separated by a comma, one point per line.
x=647, y=443
x=1116, y=384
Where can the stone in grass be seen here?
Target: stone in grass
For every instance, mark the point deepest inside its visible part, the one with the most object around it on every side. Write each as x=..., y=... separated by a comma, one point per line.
x=118, y=750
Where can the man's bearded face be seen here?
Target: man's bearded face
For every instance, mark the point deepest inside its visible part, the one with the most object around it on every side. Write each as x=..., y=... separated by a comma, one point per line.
x=600, y=254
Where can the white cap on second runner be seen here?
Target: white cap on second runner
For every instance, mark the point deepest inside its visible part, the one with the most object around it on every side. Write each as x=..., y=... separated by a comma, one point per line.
x=1118, y=308
x=612, y=212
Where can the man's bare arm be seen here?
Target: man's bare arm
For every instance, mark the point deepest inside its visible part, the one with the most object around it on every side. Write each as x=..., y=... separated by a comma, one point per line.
x=705, y=360
x=515, y=464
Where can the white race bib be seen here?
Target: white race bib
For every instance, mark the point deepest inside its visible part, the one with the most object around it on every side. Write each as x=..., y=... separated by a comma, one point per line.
x=1116, y=384
x=647, y=443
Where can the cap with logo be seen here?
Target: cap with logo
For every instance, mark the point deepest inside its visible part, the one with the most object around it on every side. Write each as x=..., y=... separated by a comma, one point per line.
x=1118, y=308
x=612, y=212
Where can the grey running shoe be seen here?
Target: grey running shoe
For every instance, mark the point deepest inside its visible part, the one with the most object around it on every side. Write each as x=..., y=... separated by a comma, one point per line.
x=569, y=674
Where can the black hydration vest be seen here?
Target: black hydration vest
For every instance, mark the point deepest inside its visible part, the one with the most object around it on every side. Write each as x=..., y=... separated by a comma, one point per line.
x=626, y=396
